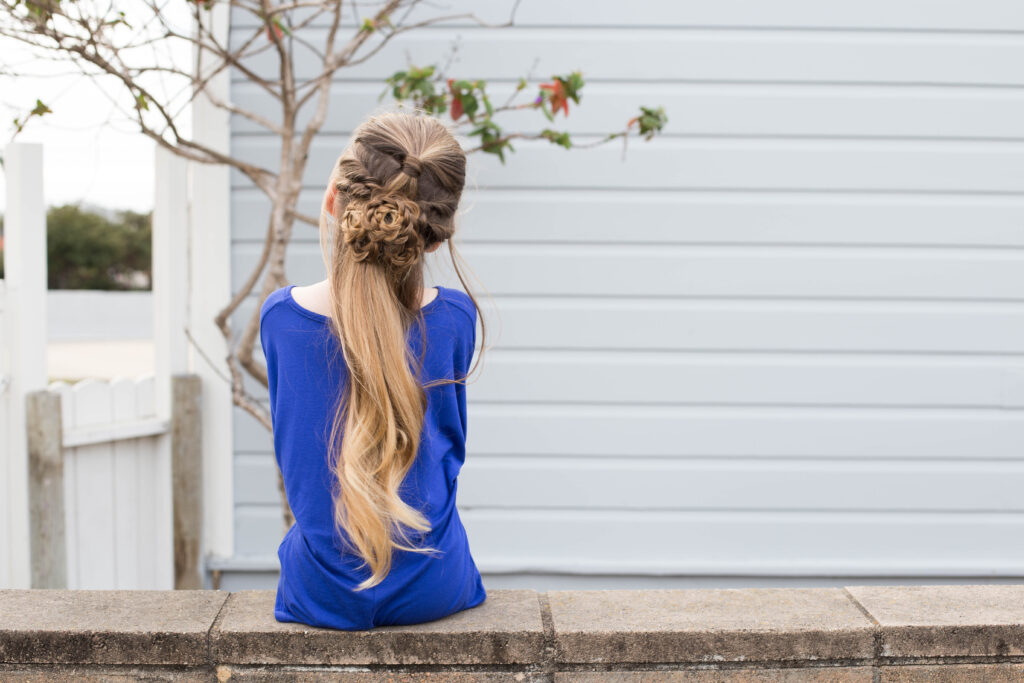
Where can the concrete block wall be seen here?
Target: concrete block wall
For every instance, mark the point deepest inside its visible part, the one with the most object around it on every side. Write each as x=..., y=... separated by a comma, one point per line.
x=855, y=633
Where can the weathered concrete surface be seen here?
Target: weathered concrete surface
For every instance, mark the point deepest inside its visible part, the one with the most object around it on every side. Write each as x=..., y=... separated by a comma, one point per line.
x=852, y=674
x=107, y=627
x=273, y=675
x=946, y=621
x=700, y=625
x=894, y=634
x=71, y=673
x=187, y=479
x=44, y=427
x=505, y=629
x=953, y=673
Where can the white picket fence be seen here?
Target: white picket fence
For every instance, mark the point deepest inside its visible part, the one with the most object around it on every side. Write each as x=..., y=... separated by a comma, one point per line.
x=117, y=494
x=117, y=459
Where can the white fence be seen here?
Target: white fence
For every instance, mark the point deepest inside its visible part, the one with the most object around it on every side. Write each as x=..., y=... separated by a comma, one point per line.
x=117, y=493
x=107, y=494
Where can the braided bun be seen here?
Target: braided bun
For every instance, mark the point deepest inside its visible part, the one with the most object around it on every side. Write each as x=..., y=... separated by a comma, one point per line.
x=383, y=229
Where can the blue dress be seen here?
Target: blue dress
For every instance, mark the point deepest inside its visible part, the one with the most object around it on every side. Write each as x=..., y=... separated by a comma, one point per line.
x=304, y=371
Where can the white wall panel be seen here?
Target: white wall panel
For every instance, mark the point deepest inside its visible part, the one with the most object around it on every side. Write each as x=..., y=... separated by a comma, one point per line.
x=953, y=15
x=684, y=164
x=670, y=54
x=785, y=338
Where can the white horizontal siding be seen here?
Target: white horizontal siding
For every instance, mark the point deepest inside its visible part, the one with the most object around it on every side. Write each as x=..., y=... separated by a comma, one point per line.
x=764, y=432
x=617, y=377
x=565, y=482
x=732, y=543
x=924, y=15
x=761, y=431
x=826, y=326
x=752, y=272
x=585, y=215
x=675, y=55
x=785, y=338
x=733, y=109
x=683, y=164
x=738, y=542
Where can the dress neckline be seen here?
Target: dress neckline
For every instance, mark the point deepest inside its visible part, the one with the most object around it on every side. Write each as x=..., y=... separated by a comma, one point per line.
x=319, y=317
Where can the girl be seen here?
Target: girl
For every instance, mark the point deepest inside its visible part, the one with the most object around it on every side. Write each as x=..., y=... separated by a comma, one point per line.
x=366, y=375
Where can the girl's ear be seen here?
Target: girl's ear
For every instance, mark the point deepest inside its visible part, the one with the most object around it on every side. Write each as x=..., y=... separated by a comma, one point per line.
x=433, y=247
x=329, y=197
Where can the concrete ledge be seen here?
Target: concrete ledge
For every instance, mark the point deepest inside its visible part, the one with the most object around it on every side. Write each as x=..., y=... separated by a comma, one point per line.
x=859, y=633
x=725, y=625
x=505, y=629
x=107, y=627
x=946, y=621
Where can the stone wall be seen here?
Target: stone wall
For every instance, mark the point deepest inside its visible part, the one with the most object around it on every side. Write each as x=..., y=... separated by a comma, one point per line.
x=857, y=633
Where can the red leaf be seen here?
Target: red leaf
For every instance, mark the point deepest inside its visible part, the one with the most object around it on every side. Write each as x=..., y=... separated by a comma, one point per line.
x=558, y=98
x=456, y=110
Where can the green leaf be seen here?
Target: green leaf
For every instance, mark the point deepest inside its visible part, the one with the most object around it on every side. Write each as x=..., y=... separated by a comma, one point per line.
x=651, y=121
x=556, y=137
x=40, y=109
x=416, y=83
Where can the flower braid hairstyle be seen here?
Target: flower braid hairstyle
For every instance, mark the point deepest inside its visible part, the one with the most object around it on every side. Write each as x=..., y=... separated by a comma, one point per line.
x=383, y=229
x=392, y=194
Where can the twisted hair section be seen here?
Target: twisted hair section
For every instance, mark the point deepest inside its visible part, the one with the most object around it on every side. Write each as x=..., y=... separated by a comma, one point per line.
x=392, y=195
x=383, y=230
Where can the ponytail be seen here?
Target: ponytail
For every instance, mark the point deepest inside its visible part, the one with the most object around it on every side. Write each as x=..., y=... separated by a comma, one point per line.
x=392, y=195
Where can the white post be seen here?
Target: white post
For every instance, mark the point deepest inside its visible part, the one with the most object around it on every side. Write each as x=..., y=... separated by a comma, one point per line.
x=23, y=343
x=170, y=273
x=210, y=291
x=170, y=345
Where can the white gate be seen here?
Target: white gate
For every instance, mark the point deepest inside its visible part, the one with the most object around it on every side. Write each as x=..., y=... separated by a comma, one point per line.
x=117, y=493
x=112, y=497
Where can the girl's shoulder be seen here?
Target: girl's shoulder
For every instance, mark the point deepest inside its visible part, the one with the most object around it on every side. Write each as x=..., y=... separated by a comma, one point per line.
x=460, y=300
x=273, y=299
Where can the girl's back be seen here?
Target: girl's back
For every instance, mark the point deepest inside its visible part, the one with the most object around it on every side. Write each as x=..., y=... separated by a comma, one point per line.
x=318, y=572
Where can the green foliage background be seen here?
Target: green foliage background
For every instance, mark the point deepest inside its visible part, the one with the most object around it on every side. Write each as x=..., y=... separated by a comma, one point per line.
x=87, y=251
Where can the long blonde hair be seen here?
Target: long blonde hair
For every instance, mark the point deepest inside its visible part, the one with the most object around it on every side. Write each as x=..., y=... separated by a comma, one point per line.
x=392, y=194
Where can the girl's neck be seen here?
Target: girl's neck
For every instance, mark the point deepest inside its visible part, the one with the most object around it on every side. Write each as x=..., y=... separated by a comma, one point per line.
x=316, y=297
